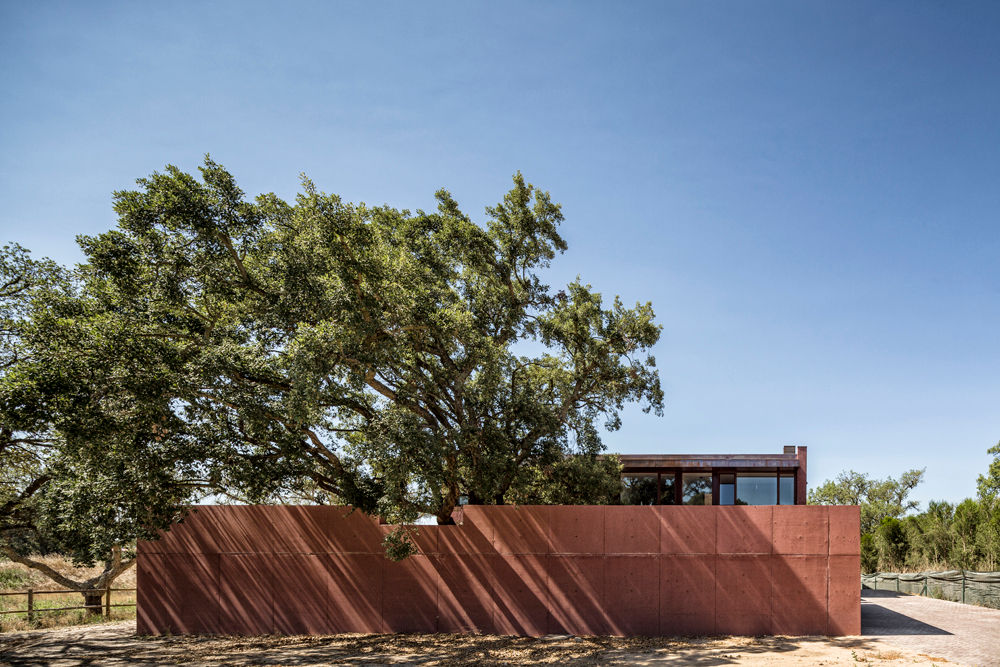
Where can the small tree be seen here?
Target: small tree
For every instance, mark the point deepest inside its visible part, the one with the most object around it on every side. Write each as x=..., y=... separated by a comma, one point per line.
x=892, y=544
x=869, y=553
x=965, y=526
x=989, y=483
x=930, y=535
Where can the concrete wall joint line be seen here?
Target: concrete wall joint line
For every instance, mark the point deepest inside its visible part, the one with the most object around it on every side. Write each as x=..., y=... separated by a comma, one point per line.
x=525, y=570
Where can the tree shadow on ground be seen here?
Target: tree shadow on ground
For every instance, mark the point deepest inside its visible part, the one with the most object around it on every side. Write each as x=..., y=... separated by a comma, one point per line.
x=117, y=644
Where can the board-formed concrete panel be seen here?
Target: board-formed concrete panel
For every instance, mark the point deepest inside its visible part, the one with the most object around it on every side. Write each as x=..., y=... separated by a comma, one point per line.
x=688, y=529
x=520, y=594
x=246, y=598
x=687, y=594
x=631, y=599
x=301, y=594
x=799, y=595
x=745, y=530
x=743, y=594
x=631, y=530
x=801, y=530
x=465, y=593
x=576, y=595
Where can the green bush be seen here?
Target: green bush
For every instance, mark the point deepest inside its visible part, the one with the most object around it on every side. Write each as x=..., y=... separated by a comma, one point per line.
x=13, y=578
x=869, y=554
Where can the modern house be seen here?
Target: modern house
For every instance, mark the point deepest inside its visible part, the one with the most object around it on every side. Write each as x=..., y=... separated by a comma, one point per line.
x=715, y=479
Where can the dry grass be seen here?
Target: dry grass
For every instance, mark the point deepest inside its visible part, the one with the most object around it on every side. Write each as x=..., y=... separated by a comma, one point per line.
x=15, y=577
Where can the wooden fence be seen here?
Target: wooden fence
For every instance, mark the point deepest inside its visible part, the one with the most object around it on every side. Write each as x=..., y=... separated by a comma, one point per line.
x=104, y=607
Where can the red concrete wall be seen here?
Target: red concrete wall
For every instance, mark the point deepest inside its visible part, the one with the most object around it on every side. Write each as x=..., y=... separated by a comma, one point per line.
x=665, y=570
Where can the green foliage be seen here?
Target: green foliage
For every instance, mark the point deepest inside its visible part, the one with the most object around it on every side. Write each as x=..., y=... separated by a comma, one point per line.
x=869, y=553
x=945, y=536
x=85, y=423
x=892, y=544
x=989, y=484
x=573, y=480
x=372, y=351
x=963, y=537
x=930, y=532
x=260, y=349
x=879, y=499
x=398, y=543
x=12, y=578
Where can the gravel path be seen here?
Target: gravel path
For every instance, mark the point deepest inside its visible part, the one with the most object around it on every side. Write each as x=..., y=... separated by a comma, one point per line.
x=958, y=632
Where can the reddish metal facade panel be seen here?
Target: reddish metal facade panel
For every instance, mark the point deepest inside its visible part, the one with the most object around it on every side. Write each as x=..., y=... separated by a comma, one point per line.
x=668, y=570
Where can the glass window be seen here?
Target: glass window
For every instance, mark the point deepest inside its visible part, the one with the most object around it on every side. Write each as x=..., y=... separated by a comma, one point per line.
x=639, y=489
x=787, y=495
x=667, y=488
x=697, y=488
x=757, y=488
x=727, y=488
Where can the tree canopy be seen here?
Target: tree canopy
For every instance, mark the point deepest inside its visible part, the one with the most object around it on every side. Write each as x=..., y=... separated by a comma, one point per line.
x=879, y=498
x=401, y=362
x=87, y=446
x=989, y=483
x=944, y=536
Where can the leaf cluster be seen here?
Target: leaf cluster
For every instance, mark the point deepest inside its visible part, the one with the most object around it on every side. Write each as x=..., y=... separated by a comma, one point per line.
x=257, y=349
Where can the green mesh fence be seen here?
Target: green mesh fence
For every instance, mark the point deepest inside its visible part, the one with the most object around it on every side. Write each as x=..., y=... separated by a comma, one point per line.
x=982, y=588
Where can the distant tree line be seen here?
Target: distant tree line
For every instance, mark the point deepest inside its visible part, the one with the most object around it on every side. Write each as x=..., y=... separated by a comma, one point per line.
x=945, y=536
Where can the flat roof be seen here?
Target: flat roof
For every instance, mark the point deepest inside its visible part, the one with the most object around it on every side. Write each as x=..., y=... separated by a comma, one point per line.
x=635, y=462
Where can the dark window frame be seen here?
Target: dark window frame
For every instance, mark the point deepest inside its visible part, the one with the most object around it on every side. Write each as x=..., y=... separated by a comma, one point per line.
x=678, y=479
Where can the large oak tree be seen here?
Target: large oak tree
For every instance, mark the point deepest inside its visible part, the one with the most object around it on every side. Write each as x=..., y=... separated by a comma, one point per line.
x=395, y=360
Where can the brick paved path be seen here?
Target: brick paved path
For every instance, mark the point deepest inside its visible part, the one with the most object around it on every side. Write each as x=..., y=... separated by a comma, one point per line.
x=957, y=632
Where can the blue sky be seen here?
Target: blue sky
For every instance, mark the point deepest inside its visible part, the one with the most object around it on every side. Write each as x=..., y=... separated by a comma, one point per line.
x=807, y=192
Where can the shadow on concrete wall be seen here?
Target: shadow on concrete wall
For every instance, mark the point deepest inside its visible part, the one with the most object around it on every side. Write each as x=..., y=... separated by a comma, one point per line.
x=529, y=570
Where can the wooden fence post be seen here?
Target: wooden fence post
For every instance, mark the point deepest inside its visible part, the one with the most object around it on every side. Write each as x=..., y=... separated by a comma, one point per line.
x=107, y=603
x=31, y=606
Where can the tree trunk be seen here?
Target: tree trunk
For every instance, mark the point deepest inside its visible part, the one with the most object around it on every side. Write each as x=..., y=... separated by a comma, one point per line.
x=444, y=517
x=93, y=588
x=93, y=601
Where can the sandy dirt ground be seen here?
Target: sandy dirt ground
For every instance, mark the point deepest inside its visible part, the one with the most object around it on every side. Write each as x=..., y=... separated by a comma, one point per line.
x=117, y=644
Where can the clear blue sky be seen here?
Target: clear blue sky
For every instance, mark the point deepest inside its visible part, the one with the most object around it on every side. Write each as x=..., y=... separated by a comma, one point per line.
x=807, y=192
